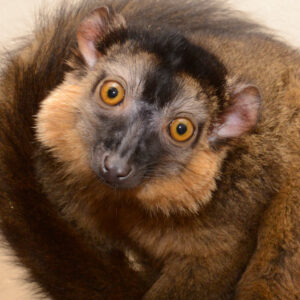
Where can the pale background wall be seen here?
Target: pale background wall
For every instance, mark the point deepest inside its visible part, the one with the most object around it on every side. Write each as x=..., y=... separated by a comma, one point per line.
x=16, y=18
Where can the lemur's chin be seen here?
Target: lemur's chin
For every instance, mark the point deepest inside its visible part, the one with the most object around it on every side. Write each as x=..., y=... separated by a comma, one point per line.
x=125, y=184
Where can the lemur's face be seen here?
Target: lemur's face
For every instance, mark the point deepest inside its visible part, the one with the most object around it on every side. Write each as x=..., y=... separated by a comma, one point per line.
x=139, y=120
x=139, y=114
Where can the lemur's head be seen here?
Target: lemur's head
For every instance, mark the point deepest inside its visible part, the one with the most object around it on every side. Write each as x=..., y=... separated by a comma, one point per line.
x=147, y=114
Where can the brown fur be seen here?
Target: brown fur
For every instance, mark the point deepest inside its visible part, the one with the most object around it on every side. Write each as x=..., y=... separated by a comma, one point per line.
x=227, y=227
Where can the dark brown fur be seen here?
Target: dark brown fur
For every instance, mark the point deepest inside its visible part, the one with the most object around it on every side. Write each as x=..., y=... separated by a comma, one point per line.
x=239, y=240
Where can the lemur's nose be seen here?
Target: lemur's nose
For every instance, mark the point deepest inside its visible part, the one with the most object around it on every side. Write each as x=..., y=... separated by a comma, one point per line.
x=116, y=169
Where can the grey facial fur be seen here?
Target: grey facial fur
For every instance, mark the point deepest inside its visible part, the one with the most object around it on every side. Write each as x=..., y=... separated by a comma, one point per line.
x=135, y=133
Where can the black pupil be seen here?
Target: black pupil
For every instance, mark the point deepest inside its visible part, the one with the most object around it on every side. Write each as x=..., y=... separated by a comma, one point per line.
x=181, y=129
x=112, y=92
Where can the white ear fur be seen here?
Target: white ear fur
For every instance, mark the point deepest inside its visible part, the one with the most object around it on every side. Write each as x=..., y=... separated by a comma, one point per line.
x=93, y=29
x=241, y=116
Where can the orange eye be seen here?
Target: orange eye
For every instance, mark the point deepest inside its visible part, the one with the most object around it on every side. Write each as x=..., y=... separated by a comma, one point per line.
x=181, y=129
x=112, y=93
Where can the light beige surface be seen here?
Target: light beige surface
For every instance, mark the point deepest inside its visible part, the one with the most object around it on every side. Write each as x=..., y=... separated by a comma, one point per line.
x=16, y=18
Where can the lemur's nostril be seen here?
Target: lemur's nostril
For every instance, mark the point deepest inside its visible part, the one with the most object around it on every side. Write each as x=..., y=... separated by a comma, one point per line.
x=105, y=164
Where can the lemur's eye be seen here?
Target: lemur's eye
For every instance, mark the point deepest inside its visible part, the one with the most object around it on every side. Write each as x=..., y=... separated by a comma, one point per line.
x=181, y=129
x=112, y=93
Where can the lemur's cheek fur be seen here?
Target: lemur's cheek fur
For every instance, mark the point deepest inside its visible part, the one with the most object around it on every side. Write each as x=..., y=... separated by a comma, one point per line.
x=56, y=128
x=186, y=192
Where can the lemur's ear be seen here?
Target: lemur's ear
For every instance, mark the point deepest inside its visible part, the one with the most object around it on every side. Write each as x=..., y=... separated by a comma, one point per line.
x=240, y=116
x=93, y=29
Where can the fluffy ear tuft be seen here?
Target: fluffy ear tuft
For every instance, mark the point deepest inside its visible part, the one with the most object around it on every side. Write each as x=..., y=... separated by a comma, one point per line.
x=240, y=116
x=93, y=29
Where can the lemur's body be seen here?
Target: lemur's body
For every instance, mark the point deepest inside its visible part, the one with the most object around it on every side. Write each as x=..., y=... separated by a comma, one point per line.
x=211, y=216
